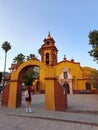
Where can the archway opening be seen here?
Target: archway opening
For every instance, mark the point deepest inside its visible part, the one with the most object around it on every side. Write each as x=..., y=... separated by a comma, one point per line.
x=66, y=87
x=27, y=77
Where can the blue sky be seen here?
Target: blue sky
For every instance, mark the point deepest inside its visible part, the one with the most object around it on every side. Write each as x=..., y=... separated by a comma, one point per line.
x=25, y=24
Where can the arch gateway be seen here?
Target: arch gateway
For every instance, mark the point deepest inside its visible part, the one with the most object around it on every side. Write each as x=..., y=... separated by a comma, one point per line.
x=16, y=80
x=12, y=93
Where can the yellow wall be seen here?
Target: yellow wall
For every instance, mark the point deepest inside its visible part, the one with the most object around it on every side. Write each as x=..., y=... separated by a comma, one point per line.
x=75, y=69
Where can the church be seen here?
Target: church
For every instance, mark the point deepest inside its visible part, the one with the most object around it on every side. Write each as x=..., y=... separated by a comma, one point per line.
x=68, y=72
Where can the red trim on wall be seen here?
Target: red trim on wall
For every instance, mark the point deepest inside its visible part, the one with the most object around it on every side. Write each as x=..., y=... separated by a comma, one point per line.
x=50, y=78
x=16, y=80
x=5, y=96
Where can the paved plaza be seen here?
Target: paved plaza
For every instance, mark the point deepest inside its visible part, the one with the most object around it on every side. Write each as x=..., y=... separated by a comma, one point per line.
x=82, y=114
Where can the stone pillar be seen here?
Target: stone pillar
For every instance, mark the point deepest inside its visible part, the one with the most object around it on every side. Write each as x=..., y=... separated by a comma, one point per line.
x=55, y=98
x=15, y=94
x=70, y=85
x=12, y=95
x=5, y=96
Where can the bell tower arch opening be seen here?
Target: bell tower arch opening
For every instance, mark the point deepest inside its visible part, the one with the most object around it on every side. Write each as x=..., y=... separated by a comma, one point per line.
x=47, y=58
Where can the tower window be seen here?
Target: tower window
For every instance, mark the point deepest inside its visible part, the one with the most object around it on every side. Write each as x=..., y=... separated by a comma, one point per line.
x=47, y=58
x=48, y=42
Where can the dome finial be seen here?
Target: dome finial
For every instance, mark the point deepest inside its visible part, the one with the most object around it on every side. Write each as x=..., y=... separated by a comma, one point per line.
x=49, y=36
x=64, y=58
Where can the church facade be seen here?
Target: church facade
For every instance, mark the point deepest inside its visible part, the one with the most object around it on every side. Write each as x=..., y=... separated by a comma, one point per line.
x=69, y=73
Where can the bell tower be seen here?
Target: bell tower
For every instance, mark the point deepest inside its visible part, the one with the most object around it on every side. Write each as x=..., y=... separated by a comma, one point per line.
x=48, y=51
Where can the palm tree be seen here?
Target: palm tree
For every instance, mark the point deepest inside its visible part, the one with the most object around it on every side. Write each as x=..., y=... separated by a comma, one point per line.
x=19, y=59
x=6, y=47
x=31, y=56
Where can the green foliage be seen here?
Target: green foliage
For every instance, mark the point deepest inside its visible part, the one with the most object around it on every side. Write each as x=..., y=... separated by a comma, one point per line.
x=94, y=78
x=19, y=59
x=29, y=77
x=31, y=56
x=93, y=41
x=6, y=46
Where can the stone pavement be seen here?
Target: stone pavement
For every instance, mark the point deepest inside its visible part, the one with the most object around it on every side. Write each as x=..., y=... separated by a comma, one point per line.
x=82, y=114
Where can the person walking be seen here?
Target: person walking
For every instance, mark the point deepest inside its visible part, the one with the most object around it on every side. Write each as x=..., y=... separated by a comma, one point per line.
x=28, y=99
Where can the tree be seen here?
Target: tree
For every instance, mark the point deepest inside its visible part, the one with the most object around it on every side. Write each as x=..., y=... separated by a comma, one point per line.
x=93, y=41
x=29, y=76
x=19, y=59
x=32, y=56
x=6, y=47
x=94, y=78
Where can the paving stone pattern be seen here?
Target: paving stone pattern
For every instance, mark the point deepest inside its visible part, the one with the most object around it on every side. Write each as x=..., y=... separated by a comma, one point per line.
x=82, y=114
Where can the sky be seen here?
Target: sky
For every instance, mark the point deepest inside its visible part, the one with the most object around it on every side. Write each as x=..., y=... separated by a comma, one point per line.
x=25, y=24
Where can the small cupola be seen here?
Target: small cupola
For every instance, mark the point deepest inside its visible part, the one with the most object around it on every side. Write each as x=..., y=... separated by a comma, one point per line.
x=49, y=36
x=72, y=60
x=49, y=41
x=64, y=58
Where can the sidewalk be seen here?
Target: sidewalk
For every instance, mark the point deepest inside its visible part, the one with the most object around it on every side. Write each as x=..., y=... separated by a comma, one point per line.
x=82, y=109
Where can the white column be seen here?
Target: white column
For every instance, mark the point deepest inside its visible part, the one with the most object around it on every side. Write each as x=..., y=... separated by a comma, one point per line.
x=70, y=86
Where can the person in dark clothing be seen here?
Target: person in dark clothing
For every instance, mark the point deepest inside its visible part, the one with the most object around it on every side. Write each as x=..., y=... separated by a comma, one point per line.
x=28, y=99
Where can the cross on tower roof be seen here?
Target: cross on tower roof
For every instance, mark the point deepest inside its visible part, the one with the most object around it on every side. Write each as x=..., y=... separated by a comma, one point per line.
x=49, y=36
